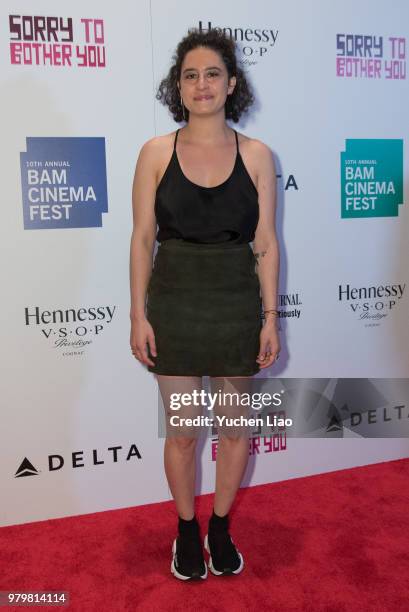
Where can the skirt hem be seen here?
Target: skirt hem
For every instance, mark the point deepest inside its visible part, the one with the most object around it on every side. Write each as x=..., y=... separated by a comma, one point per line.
x=192, y=373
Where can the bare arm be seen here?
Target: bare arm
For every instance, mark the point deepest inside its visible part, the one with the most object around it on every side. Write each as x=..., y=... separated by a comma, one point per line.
x=266, y=251
x=265, y=243
x=144, y=229
x=141, y=250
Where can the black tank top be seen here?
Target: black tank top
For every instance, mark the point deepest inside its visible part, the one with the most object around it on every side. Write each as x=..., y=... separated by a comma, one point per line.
x=228, y=212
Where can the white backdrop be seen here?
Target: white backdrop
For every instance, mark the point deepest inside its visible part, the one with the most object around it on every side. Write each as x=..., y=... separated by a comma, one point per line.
x=59, y=400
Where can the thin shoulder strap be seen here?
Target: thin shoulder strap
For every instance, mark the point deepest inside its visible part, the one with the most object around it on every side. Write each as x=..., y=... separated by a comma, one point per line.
x=237, y=140
x=176, y=137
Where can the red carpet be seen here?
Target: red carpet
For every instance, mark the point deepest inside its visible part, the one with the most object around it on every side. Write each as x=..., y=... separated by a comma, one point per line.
x=335, y=542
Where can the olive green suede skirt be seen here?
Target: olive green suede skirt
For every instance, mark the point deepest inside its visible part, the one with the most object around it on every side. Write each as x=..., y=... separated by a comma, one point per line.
x=204, y=305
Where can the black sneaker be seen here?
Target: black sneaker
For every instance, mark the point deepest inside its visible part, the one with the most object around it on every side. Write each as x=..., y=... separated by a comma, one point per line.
x=188, y=562
x=224, y=557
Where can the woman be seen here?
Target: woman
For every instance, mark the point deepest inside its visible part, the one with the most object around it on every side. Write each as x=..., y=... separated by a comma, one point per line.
x=198, y=311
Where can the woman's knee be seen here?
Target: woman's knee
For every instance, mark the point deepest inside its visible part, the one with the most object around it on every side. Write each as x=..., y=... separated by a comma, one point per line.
x=184, y=444
x=233, y=438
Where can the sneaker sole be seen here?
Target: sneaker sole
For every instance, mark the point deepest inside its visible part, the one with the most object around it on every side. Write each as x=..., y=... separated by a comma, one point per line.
x=178, y=574
x=217, y=572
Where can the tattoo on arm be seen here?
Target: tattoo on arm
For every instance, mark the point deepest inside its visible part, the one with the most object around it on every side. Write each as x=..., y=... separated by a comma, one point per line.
x=259, y=255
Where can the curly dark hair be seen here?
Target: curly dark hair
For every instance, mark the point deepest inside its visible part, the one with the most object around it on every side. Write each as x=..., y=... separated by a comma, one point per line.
x=236, y=104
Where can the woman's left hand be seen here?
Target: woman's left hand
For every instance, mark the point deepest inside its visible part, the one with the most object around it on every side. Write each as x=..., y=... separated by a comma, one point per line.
x=269, y=344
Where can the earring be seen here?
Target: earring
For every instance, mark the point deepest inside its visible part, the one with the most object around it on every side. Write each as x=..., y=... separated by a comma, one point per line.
x=183, y=108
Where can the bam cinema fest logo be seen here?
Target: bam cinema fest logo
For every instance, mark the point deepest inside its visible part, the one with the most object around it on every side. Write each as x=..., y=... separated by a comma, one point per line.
x=373, y=303
x=371, y=178
x=40, y=40
x=370, y=57
x=69, y=329
x=253, y=43
x=63, y=182
x=80, y=459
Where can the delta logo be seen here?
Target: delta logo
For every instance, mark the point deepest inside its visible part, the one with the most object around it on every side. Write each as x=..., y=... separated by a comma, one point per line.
x=78, y=459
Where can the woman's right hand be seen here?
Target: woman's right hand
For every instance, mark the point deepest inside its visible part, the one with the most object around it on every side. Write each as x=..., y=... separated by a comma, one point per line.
x=142, y=334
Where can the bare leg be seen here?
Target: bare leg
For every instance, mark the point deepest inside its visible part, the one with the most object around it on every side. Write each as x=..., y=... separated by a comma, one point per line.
x=180, y=443
x=233, y=445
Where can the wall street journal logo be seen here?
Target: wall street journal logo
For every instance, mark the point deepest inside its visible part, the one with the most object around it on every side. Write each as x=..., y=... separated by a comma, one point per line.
x=289, y=305
x=371, y=178
x=63, y=182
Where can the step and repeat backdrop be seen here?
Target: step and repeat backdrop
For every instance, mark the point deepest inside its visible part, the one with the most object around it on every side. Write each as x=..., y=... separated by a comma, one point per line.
x=79, y=427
